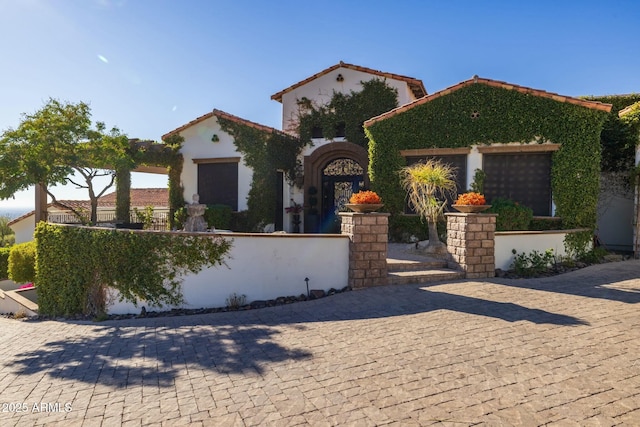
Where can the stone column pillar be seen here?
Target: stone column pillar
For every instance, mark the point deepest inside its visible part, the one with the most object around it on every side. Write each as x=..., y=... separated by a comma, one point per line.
x=471, y=243
x=368, y=234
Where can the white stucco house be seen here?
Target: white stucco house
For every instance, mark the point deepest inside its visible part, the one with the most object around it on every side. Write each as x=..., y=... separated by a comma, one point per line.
x=215, y=170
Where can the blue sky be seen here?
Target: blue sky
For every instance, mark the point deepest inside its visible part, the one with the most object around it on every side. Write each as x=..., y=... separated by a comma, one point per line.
x=149, y=66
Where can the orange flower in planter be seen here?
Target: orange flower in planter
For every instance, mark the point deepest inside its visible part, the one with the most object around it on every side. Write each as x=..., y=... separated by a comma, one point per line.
x=471, y=198
x=365, y=197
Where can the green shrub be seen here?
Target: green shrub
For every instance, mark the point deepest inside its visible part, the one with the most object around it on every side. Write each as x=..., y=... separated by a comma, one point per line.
x=540, y=223
x=22, y=262
x=76, y=265
x=512, y=216
x=180, y=218
x=533, y=263
x=4, y=262
x=593, y=256
x=145, y=216
x=240, y=222
x=402, y=227
x=218, y=216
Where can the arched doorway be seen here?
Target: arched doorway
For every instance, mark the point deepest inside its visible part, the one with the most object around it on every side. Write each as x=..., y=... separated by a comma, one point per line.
x=331, y=174
x=340, y=179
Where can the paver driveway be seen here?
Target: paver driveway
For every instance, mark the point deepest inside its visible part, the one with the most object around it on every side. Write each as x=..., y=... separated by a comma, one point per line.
x=558, y=351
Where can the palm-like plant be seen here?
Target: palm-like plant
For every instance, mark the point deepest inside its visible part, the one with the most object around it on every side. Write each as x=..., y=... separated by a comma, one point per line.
x=427, y=185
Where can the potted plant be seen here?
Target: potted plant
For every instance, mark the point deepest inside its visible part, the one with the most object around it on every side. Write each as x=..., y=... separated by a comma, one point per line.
x=471, y=202
x=364, y=201
x=294, y=209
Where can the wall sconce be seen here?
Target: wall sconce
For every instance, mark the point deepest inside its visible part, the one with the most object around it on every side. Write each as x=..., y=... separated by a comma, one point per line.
x=339, y=78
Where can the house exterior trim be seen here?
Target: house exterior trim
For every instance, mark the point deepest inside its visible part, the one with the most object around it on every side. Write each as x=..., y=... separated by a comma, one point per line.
x=217, y=160
x=223, y=115
x=532, y=148
x=434, y=152
x=416, y=85
x=493, y=83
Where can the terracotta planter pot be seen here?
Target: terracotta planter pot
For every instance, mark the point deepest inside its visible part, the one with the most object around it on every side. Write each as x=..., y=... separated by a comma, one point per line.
x=364, y=207
x=471, y=208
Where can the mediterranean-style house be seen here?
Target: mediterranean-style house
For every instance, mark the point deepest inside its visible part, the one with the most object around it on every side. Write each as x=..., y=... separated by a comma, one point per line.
x=331, y=169
x=524, y=140
x=215, y=169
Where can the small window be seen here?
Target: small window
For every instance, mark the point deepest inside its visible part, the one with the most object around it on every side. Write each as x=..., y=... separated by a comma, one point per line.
x=316, y=132
x=340, y=130
x=218, y=184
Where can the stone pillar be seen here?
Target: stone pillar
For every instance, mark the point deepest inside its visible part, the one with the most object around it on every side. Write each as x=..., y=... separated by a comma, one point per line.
x=471, y=243
x=369, y=235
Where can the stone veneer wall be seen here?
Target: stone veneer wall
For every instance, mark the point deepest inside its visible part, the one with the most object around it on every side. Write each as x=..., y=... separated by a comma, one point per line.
x=471, y=243
x=369, y=235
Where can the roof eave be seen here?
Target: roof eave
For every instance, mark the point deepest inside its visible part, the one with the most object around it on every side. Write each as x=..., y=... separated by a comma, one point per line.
x=493, y=83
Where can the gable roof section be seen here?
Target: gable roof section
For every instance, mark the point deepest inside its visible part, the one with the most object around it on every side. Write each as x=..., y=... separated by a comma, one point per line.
x=493, y=83
x=223, y=115
x=416, y=85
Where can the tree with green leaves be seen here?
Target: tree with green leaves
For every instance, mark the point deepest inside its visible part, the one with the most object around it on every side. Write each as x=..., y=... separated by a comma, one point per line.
x=55, y=142
x=427, y=185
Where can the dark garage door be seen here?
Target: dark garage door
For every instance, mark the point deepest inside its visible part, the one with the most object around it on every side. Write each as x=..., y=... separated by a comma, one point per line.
x=523, y=177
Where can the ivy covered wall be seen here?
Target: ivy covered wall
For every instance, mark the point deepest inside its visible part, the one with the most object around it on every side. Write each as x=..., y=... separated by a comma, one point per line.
x=619, y=137
x=482, y=114
x=148, y=153
x=347, y=110
x=265, y=153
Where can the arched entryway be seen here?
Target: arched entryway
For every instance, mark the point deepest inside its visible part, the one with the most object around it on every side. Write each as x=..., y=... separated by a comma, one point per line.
x=332, y=173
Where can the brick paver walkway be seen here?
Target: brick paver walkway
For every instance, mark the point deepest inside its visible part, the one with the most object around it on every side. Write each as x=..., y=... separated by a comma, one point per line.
x=560, y=351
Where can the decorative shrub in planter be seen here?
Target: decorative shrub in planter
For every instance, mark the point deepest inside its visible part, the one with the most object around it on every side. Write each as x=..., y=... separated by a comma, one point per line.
x=471, y=202
x=364, y=201
x=512, y=216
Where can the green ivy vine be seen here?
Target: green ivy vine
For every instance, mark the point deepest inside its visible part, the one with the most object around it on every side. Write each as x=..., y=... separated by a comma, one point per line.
x=148, y=153
x=480, y=114
x=76, y=265
x=265, y=153
x=349, y=110
x=619, y=136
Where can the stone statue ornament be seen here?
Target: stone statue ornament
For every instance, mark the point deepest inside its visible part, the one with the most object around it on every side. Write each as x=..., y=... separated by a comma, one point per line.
x=195, y=216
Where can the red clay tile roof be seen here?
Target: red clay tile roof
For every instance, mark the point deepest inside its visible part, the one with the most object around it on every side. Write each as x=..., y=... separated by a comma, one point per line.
x=494, y=83
x=140, y=197
x=224, y=115
x=416, y=85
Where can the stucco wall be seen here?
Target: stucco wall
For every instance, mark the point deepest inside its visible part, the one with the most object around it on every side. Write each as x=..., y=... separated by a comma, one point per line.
x=321, y=90
x=24, y=229
x=266, y=266
x=198, y=145
x=527, y=241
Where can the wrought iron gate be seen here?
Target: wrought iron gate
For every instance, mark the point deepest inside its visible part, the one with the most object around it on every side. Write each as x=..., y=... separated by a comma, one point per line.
x=340, y=179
